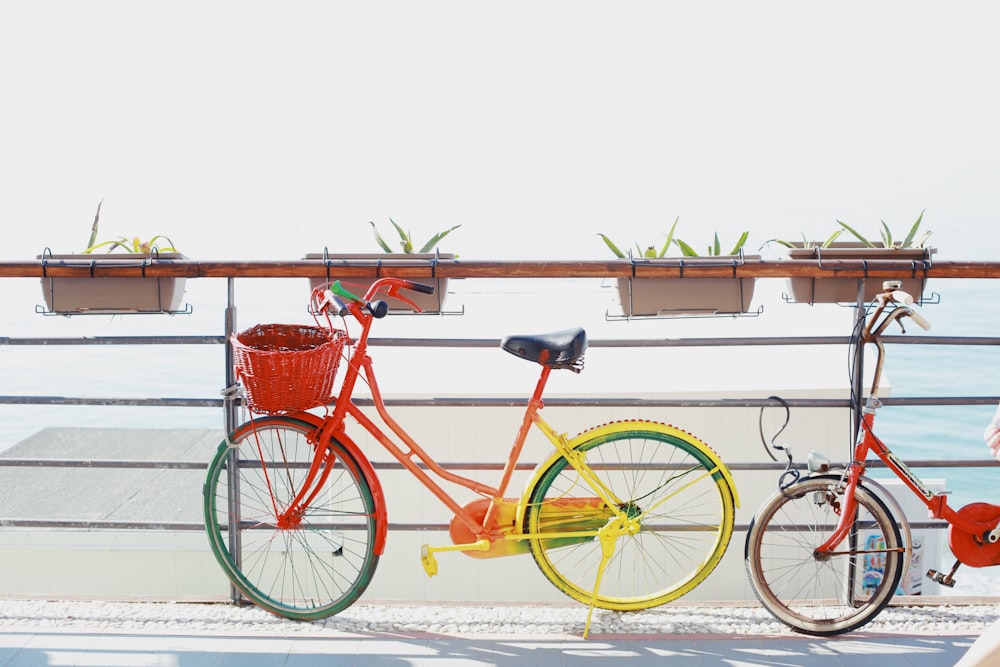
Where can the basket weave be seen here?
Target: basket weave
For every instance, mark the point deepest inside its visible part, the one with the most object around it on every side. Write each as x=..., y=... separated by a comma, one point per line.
x=287, y=367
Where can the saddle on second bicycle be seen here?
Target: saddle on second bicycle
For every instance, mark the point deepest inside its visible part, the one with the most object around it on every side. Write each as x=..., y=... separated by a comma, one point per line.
x=560, y=349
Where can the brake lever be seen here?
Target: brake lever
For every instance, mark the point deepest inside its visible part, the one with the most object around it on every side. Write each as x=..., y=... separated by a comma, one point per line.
x=394, y=293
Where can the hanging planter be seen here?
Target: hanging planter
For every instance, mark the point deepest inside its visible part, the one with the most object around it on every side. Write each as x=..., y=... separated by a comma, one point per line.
x=425, y=255
x=908, y=265
x=87, y=292
x=686, y=295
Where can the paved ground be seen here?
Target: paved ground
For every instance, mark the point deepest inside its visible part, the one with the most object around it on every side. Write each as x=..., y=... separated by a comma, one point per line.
x=25, y=647
x=36, y=633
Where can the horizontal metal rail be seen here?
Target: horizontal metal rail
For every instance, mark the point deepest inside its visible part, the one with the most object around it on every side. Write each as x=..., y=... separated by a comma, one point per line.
x=452, y=465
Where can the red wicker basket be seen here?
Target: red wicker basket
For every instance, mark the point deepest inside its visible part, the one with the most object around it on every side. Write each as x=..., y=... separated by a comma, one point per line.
x=287, y=367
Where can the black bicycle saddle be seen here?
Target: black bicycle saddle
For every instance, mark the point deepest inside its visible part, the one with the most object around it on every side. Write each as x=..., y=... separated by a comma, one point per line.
x=560, y=349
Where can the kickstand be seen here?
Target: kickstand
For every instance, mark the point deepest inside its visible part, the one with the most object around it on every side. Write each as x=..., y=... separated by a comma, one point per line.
x=608, y=535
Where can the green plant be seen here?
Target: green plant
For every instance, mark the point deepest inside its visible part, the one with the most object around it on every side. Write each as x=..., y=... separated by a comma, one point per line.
x=887, y=238
x=715, y=249
x=806, y=243
x=406, y=240
x=133, y=245
x=686, y=249
x=649, y=252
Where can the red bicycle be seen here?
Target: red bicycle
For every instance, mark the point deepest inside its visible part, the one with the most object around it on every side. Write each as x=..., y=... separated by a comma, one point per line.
x=825, y=553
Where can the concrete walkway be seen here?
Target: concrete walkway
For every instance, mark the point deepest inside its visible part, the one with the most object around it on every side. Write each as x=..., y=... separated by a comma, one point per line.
x=25, y=647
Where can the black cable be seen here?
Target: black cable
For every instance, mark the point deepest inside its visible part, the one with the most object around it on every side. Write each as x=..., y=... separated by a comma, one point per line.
x=760, y=427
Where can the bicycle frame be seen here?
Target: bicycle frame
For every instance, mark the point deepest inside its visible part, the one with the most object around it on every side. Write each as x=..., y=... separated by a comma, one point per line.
x=487, y=530
x=867, y=442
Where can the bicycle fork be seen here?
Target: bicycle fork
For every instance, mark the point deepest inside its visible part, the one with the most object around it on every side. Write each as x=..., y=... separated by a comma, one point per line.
x=290, y=517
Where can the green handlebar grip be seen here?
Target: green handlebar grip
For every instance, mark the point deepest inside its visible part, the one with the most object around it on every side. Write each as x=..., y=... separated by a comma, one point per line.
x=339, y=290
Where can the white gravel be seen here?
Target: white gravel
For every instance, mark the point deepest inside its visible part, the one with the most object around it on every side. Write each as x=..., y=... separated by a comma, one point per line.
x=941, y=617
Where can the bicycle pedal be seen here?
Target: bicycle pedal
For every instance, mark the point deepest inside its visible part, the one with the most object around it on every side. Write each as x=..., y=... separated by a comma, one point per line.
x=428, y=560
x=941, y=578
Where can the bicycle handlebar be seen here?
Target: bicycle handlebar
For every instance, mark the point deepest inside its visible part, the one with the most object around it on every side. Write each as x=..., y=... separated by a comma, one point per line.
x=331, y=297
x=895, y=295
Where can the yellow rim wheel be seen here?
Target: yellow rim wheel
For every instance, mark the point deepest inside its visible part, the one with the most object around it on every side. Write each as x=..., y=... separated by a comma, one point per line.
x=667, y=487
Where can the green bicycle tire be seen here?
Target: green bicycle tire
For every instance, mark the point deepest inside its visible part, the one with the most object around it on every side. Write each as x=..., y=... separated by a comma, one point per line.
x=311, y=570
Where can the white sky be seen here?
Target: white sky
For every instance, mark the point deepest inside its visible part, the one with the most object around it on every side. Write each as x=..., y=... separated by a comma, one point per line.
x=267, y=130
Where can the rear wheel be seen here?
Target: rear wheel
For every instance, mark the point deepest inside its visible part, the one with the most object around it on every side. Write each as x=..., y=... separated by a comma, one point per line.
x=667, y=487
x=309, y=564
x=835, y=593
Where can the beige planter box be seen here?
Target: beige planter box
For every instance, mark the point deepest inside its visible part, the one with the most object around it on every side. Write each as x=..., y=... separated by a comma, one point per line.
x=428, y=303
x=845, y=290
x=687, y=296
x=86, y=294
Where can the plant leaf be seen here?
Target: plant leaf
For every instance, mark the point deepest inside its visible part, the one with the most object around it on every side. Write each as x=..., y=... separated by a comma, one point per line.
x=608, y=242
x=716, y=248
x=908, y=241
x=404, y=237
x=379, y=239
x=856, y=234
x=670, y=237
x=686, y=249
x=93, y=227
x=740, y=243
x=427, y=247
x=98, y=245
x=833, y=237
x=886, y=235
x=152, y=244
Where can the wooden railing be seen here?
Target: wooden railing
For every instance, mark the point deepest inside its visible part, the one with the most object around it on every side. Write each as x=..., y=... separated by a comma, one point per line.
x=400, y=266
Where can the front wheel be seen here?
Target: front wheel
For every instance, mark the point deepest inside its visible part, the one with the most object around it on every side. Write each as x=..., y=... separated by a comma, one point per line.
x=828, y=594
x=672, y=516
x=306, y=564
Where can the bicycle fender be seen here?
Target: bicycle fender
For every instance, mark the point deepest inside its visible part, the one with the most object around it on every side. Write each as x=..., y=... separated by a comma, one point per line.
x=366, y=469
x=897, y=512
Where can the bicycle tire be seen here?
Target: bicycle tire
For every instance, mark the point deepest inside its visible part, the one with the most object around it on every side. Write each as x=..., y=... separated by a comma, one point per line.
x=315, y=568
x=670, y=480
x=827, y=596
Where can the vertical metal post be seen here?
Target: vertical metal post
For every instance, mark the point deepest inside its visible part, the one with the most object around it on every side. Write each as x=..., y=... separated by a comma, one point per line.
x=857, y=386
x=231, y=408
x=857, y=382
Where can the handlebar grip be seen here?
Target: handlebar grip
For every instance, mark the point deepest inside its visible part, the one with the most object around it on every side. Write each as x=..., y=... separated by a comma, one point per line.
x=919, y=319
x=334, y=304
x=902, y=297
x=420, y=287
